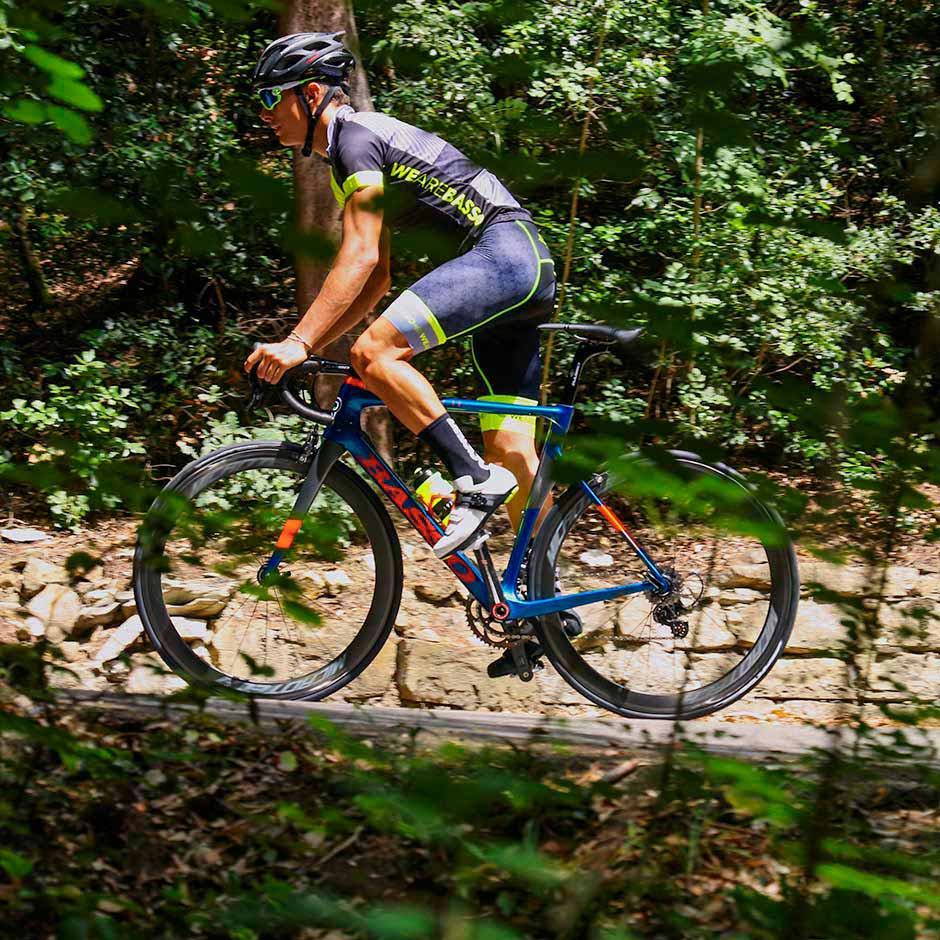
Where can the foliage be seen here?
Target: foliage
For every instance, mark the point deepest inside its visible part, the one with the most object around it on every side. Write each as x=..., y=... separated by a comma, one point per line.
x=126, y=826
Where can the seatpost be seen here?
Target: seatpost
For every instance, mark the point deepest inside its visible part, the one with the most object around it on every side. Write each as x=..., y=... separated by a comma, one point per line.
x=584, y=352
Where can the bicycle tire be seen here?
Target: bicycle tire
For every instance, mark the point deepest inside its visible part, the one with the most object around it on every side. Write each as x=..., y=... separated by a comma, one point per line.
x=267, y=455
x=580, y=675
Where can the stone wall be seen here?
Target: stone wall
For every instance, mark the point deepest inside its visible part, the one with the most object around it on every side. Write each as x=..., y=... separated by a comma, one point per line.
x=432, y=660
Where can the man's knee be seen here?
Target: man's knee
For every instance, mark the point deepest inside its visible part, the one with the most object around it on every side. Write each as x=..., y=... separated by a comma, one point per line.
x=374, y=347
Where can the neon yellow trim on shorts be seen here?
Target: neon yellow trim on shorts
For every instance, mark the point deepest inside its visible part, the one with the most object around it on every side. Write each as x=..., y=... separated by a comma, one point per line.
x=429, y=316
x=361, y=179
x=524, y=424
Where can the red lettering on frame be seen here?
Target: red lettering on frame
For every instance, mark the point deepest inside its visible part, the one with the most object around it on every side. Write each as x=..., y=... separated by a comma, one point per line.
x=401, y=499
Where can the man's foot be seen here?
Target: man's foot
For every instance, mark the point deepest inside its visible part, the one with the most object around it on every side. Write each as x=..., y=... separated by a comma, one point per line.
x=475, y=503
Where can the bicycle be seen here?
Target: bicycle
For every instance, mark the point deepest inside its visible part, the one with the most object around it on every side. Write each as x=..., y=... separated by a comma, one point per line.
x=693, y=611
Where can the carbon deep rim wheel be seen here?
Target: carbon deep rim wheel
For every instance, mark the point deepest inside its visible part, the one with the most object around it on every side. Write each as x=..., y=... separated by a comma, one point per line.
x=184, y=492
x=617, y=696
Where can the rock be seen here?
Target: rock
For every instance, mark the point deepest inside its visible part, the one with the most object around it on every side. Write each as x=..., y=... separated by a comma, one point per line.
x=98, y=596
x=191, y=629
x=336, y=580
x=734, y=596
x=150, y=676
x=431, y=674
x=818, y=628
x=310, y=578
x=435, y=591
x=905, y=675
x=913, y=624
x=594, y=558
x=33, y=627
x=378, y=677
x=58, y=605
x=118, y=640
x=705, y=633
x=806, y=678
x=37, y=574
x=178, y=593
x=98, y=616
x=860, y=580
x=200, y=607
x=71, y=650
x=928, y=585
x=54, y=633
x=744, y=576
x=24, y=535
x=11, y=579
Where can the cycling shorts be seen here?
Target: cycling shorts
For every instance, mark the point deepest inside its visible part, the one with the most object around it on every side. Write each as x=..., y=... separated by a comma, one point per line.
x=497, y=293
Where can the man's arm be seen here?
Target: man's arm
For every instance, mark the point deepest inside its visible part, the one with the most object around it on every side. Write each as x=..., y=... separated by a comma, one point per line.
x=355, y=264
x=375, y=288
x=356, y=281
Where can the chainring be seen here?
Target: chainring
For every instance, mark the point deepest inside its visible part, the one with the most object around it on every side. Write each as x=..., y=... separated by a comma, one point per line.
x=490, y=630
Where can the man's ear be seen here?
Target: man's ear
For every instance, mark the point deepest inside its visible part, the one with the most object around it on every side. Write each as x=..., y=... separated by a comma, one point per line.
x=314, y=92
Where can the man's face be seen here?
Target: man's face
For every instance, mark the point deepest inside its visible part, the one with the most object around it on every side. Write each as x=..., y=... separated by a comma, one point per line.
x=288, y=118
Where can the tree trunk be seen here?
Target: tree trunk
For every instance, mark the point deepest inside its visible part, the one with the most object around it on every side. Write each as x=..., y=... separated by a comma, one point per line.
x=315, y=206
x=32, y=270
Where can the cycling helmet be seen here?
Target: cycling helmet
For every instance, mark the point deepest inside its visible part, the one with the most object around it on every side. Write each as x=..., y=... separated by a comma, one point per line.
x=293, y=60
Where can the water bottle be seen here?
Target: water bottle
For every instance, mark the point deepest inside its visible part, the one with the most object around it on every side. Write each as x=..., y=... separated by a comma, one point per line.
x=434, y=493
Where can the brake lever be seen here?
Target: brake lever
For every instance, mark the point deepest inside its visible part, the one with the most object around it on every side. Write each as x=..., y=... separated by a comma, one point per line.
x=258, y=390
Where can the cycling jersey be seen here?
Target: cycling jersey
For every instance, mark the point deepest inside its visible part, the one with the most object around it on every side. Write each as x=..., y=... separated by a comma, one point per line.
x=428, y=183
x=496, y=285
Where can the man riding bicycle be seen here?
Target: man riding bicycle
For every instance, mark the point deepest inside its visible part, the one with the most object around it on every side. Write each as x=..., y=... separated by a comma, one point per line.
x=496, y=283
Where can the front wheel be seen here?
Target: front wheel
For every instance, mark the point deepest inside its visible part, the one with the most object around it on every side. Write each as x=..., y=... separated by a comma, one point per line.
x=733, y=586
x=222, y=618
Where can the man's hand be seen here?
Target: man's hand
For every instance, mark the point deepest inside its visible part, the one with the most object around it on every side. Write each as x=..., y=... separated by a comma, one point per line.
x=274, y=359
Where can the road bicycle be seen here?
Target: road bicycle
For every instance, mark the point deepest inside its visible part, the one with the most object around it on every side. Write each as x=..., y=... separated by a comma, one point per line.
x=685, y=579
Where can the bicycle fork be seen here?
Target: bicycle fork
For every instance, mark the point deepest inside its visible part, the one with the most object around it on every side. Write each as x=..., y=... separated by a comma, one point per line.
x=323, y=459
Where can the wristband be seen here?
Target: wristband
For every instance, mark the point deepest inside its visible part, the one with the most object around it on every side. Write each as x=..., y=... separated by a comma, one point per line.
x=294, y=335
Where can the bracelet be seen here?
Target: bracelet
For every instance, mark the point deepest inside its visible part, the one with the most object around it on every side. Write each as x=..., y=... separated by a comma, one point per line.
x=294, y=335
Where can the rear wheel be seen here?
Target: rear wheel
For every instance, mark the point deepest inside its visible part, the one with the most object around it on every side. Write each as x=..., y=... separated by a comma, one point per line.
x=724, y=621
x=301, y=631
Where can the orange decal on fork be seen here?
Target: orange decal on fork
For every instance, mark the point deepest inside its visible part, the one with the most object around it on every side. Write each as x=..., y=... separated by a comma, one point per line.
x=290, y=530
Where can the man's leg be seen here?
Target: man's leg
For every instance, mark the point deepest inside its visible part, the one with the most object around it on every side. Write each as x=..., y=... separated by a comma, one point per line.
x=515, y=450
x=381, y=358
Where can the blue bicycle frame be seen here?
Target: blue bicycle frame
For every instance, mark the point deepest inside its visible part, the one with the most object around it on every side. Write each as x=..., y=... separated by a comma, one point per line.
x=344, y=434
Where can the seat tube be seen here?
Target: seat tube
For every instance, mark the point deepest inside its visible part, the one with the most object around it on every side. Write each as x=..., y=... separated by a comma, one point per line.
x=541, y=487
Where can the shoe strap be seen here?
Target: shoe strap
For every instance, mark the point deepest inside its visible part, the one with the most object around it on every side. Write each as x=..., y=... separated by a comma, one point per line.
x=480, y=500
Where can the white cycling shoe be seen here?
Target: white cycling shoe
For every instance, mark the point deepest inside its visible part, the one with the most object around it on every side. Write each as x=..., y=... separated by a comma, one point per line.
x=475, y=503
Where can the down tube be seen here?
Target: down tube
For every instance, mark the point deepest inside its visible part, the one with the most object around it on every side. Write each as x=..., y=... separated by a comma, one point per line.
x=389, y=482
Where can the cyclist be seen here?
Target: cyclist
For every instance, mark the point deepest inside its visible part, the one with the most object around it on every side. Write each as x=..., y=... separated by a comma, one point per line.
x=494, y=282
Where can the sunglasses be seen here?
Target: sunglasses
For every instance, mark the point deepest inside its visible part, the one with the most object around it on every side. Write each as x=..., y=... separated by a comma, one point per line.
x=270, y=97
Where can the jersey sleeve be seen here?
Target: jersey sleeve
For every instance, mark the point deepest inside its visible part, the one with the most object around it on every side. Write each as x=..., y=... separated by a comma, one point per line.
x=357, y=161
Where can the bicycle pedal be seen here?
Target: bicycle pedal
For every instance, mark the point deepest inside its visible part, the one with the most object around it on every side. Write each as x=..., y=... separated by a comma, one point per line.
x=519, y=660
x=572, y=624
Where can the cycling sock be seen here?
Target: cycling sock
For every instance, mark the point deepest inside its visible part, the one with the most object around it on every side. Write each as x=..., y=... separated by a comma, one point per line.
x=447, y=441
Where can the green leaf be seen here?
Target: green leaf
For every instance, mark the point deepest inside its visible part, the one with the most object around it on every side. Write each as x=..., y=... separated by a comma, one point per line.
x=14, y=864
x=53, y=64
x=75, y=126
x=25, y=110
x=287, y=761
x=75, y=93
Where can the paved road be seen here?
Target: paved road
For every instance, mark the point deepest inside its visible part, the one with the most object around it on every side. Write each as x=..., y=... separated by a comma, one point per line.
x=615, y=736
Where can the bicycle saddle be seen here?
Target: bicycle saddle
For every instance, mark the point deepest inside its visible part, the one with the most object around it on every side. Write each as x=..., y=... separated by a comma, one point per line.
x=596, y=332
